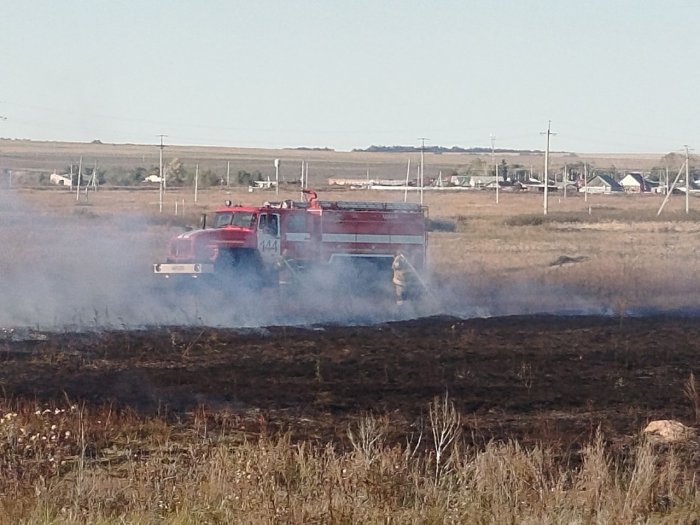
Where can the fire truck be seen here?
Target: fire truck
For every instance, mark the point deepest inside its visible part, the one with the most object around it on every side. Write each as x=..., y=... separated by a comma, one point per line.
x=253, y=242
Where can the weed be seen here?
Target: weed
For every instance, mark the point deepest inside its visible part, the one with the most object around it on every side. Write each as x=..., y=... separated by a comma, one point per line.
x=445, y=425
x=691, y=393
x=526, y=376
x=525, y=220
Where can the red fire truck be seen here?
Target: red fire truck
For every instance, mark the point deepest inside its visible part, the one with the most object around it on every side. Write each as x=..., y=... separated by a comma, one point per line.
x=257, y=241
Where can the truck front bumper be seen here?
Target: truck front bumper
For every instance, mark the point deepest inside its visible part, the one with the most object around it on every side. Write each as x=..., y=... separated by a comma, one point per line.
x=192, y=269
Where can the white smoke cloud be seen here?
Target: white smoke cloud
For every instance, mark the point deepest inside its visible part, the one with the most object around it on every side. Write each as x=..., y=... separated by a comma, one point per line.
x=88, y=271
x=84, y=270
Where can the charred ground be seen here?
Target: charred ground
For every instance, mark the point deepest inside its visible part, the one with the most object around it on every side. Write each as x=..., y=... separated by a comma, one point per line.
x=550, y=379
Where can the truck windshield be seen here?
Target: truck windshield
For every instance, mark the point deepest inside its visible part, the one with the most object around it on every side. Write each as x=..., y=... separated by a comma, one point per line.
x=240, y=219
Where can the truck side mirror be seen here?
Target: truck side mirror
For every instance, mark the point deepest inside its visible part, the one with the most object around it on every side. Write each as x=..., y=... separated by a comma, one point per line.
x=203, y=221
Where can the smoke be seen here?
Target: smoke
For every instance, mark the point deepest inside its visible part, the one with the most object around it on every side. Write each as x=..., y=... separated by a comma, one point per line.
x=84, y=270
x=74, y=270
x=503, y=297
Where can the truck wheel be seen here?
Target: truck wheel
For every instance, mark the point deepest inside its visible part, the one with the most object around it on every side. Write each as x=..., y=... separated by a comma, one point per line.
x=239, y=268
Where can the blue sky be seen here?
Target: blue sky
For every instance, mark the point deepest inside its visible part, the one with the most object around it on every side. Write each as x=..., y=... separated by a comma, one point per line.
x=612, y=76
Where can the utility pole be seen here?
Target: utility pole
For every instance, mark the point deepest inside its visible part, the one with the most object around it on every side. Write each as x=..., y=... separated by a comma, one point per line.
x=408, y=172
x=277, y=176
x=161, y=175
x=493, y=161
x=546, y=165
x=301, y=180
x=670, y=190
x=80, y=175
x=93, y=179
x=228, y=173
x=196, y=181
x=9, y=181
x=687, y=181
x=422, y=164
x=563, y=180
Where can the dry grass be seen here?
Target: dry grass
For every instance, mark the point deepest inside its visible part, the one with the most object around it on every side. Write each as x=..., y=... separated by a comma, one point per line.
x=621, y=254
x=74, y=464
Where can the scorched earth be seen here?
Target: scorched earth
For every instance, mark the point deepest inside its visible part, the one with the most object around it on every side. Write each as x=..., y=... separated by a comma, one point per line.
x=546, y=378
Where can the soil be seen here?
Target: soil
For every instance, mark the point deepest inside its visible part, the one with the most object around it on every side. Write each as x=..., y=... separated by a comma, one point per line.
x=548, y=379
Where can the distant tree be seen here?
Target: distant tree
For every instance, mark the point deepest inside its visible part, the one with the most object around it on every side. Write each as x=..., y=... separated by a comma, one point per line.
x=120, y=176
x=503, y=170
x=476, y=167
x=612, y=171
x=672, y=160
x=138, y=175
x=209, y=178
x=245, y=178
x=85, y=174
x=99, y=175
x=175, y=173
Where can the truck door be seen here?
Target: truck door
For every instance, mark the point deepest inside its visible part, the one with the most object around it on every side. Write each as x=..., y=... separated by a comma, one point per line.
x=269, y=237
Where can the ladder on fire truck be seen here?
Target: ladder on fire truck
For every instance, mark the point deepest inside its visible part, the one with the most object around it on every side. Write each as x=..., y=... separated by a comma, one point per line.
x=350, y=205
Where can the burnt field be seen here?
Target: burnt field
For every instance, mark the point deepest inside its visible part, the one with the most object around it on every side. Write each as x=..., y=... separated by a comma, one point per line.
x=538, y=379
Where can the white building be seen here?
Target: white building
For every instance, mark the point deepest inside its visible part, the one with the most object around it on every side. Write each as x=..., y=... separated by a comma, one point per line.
x=60, y=180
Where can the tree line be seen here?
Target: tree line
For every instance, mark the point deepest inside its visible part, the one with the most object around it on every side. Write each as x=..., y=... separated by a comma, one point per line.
x=175, y=173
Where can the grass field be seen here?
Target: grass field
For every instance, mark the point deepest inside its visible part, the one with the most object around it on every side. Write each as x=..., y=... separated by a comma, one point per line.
x=191, y=424
x=45, y=157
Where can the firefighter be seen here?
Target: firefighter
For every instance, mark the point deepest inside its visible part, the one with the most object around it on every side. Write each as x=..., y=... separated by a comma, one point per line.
x=404, y=278
x=287, y=273
x=282, y=267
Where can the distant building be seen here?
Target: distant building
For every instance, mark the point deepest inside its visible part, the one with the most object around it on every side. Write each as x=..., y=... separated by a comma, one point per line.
x=265, y=184
x=60, y=180
x=336, y=181
x=479, y=181
x=601, y=183
x=459, y=180
x=636, y=183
